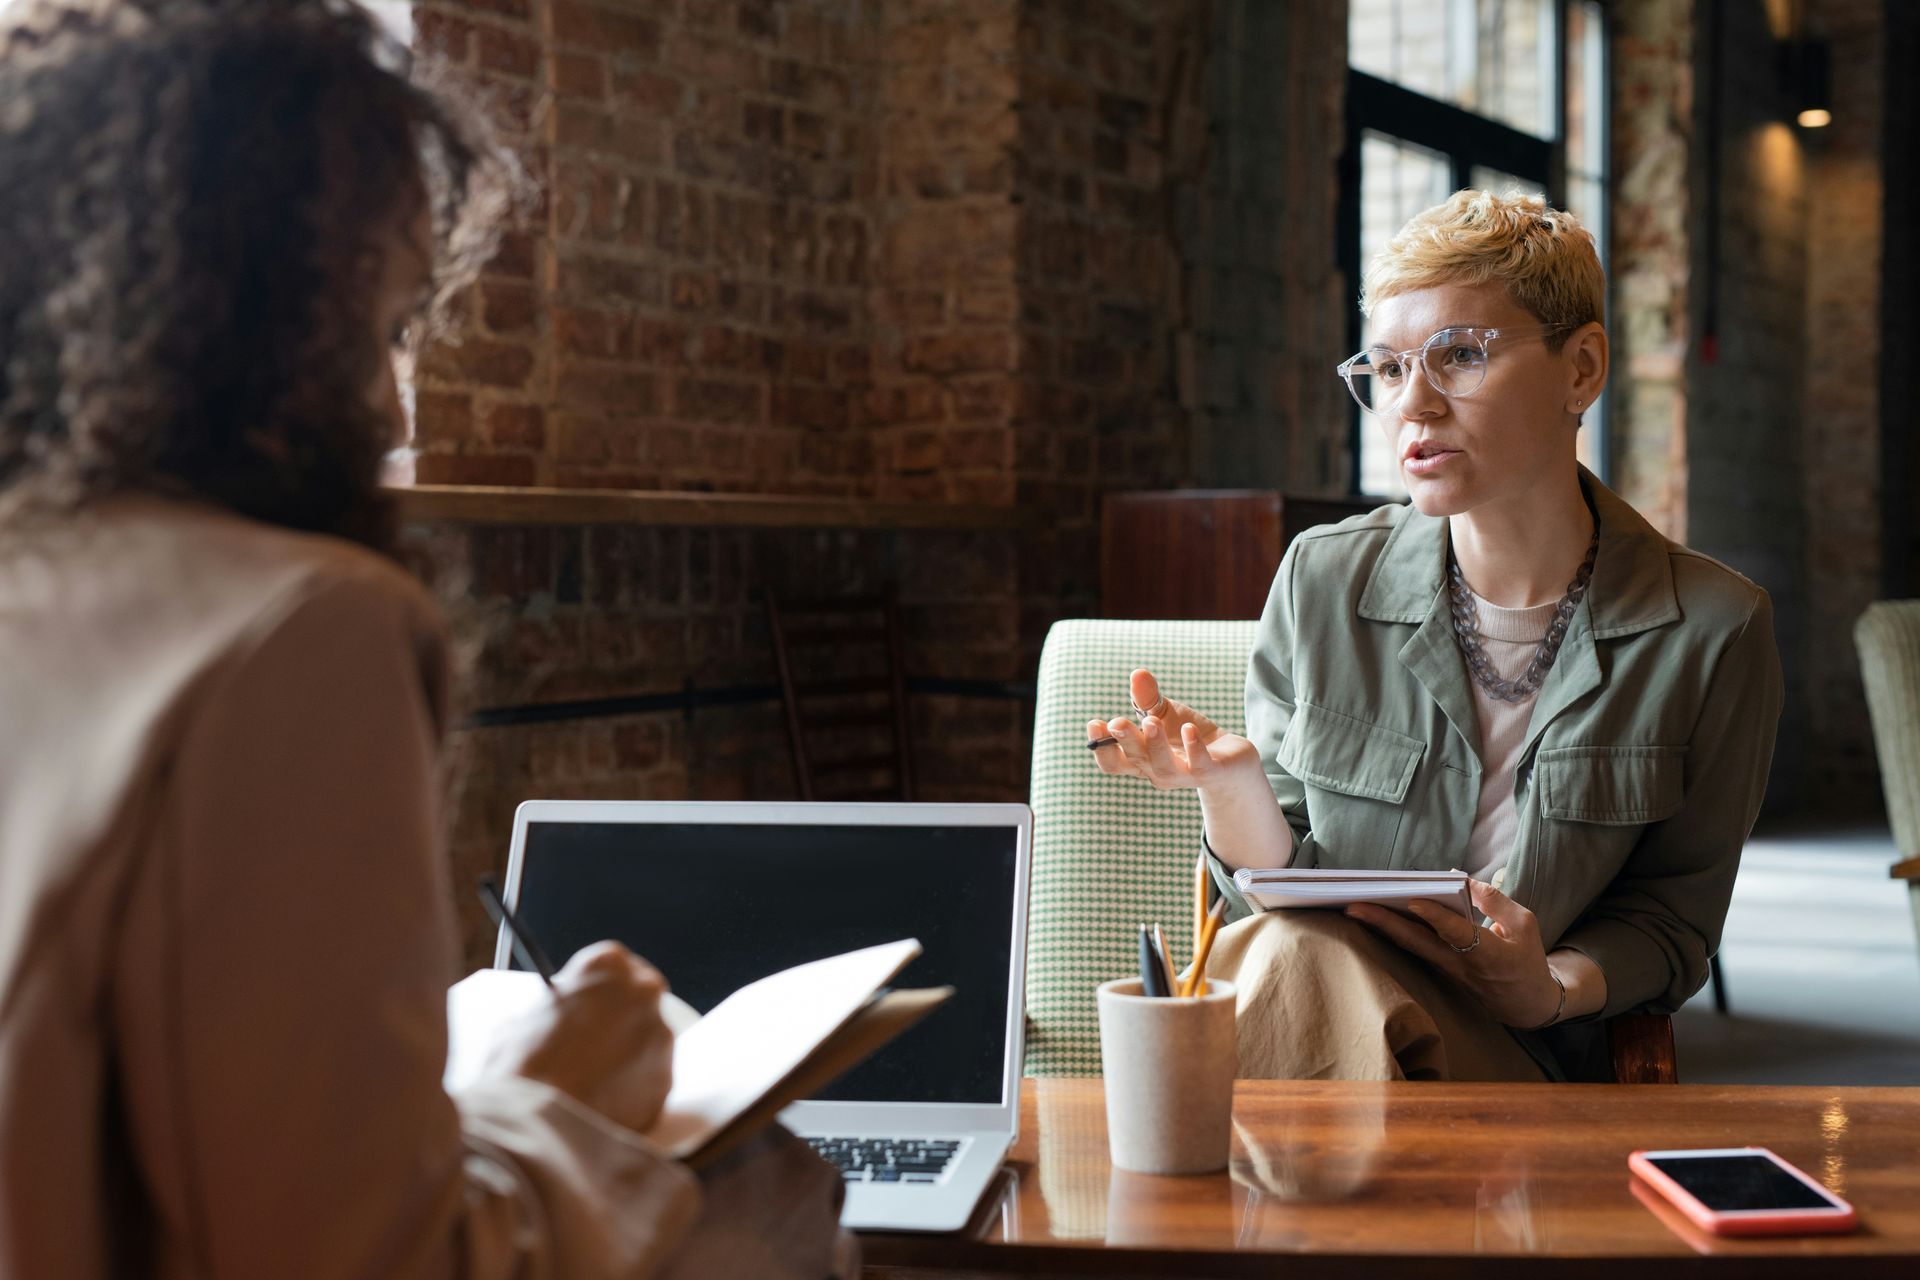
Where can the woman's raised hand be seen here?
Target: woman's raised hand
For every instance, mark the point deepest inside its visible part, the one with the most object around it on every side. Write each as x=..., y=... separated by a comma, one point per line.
x=1172, y=747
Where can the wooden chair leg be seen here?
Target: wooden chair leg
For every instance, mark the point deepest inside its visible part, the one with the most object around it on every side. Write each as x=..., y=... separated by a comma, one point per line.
x=1643, y=1051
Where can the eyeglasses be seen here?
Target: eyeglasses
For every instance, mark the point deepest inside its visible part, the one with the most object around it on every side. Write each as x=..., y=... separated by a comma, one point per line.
x=1453, y=360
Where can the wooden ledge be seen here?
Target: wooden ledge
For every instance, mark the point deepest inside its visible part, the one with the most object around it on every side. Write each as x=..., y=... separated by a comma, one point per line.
x=473, y=504
x=1908, y=870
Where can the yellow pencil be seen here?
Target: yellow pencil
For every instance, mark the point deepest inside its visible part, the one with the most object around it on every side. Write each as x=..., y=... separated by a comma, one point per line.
x=1200, y=878
x=1196, y=984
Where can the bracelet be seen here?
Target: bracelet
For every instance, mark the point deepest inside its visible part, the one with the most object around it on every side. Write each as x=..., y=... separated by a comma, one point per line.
x=1557, y=1009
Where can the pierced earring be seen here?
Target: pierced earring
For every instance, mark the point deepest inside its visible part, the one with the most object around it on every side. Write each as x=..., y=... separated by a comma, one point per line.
x=1578, y=403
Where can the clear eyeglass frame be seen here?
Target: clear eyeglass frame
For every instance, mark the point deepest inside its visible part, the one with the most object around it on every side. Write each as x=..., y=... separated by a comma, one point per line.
x=1466, y=351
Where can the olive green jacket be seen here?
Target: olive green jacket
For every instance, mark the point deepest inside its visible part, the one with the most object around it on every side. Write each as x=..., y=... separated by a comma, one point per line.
x=1644, y=762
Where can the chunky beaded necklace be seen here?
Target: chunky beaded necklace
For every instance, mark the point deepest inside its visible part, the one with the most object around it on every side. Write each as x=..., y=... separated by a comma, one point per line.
x=1466, y=630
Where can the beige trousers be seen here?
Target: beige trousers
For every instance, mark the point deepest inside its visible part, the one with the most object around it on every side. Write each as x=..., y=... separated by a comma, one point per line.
x=1322, y=997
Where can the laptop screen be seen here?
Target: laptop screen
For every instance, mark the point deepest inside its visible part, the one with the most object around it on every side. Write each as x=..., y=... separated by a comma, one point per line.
x=717, y=905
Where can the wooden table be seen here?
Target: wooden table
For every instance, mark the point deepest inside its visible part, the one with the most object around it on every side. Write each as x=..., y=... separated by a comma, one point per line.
x=1431, y=1180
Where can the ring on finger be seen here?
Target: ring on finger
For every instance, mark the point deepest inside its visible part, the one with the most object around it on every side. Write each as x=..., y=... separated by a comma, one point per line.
x=1154, y=710
x=1460, y=951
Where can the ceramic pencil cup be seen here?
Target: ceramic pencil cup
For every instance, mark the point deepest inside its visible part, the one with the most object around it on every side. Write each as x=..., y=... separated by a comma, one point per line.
x=1169, y=1065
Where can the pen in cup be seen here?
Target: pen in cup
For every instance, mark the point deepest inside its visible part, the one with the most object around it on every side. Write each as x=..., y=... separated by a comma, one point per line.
x=524, y=946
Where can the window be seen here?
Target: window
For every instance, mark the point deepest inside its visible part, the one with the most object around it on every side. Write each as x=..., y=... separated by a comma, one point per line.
x=1445, y=94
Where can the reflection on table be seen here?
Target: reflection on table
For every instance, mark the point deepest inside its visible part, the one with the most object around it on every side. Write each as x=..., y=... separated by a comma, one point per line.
x=1392, y=1173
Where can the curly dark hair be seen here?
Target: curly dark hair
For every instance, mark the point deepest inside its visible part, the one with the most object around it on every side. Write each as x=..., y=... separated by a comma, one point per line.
x=194, y=201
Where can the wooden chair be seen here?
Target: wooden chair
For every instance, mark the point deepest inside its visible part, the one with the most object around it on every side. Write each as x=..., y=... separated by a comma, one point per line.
x=843, y=682
x=1136, y=846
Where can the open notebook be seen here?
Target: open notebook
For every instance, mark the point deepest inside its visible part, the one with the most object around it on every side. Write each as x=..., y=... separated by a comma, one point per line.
x=1332, y=887
x=771, y=1042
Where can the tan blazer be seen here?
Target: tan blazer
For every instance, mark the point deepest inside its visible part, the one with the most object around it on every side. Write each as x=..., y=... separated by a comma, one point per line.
x=226, y=935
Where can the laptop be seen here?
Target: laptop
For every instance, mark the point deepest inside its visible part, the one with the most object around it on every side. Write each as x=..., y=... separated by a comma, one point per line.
x=717, y=895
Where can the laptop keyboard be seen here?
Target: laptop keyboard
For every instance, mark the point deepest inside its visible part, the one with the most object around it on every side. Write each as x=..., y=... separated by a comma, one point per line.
x=888, y=1159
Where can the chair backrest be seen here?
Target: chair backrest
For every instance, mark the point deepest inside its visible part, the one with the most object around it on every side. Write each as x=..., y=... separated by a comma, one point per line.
x=1888, y=638
x=843, y=684
x=1109, y=853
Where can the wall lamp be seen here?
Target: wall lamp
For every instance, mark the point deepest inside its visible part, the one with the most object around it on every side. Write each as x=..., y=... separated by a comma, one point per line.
x=1807, y=73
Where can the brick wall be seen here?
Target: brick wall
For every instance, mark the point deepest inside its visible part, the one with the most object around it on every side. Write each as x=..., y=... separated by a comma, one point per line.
x=901, y=250
x=1842, y=408
x=1652, y=137
x=686, y=306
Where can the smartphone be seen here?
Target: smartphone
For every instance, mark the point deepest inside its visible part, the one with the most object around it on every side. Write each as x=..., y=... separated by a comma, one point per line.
x=1742, y=1191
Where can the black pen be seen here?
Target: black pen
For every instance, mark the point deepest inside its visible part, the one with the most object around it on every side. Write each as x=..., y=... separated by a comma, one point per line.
x=1153, y=978
x=523, y=944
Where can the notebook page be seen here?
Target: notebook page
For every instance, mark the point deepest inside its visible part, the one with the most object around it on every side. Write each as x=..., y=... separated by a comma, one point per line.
x=749, y=1042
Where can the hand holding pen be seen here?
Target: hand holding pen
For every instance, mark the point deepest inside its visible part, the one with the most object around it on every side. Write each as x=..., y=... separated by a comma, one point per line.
x=601, y=1039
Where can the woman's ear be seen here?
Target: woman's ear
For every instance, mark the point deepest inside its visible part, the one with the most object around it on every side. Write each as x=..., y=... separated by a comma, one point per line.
x=1590, y=356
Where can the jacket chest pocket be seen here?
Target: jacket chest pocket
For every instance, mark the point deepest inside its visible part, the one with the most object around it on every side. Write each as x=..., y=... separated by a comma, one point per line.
x=1356, y=776
x=1595, y=801
x=1611, y=786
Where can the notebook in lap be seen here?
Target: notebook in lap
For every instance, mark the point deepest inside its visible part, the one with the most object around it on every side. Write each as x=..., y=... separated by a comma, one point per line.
x=719, y=894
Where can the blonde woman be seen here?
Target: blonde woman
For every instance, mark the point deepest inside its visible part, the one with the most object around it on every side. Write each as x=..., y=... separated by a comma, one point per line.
x=1516, y=675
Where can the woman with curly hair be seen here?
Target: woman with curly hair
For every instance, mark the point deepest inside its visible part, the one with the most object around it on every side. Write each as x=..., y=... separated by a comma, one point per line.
x=225, y=925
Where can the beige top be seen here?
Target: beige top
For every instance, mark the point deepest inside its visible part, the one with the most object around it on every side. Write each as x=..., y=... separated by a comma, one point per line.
x=226, y=935
x=1509, y=638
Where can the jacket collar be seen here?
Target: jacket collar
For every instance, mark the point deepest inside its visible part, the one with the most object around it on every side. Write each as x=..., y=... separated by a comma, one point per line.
x=1631, y=590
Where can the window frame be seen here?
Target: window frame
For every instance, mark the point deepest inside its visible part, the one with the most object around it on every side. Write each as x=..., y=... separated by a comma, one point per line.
x=1468, y=140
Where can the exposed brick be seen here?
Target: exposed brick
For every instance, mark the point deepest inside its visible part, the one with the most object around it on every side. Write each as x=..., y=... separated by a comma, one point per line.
x=491, y=469
x=441, y=417
x=590, y=276
x=974, y=352
x=605, y=385
x=478, y=361
x=521, y=9
x=819, y=408
x=723, y=347
x=517, y=426
x=601, y=27
x=579, y=75
x=645, y=90
x=515, y=256
x=711, y=400
x=578, y=125
x=590, y=331
x=508, y=53
x=508, y=308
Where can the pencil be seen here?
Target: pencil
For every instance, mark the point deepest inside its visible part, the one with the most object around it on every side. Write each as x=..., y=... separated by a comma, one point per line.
x=523, y=944
x=1200, y=879
x=1197, y=982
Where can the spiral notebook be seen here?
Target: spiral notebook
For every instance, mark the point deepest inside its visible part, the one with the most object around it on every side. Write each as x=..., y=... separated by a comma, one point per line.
x=1330, y=888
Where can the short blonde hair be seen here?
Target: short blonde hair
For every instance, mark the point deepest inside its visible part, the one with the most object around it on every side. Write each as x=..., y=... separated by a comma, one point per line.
x=1543, y=256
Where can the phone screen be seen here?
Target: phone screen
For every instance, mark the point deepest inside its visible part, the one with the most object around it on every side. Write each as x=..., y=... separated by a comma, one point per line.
x=1731, y=1183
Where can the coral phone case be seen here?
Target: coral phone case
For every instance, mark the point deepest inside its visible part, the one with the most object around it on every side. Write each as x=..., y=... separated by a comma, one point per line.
x=1830, y=1214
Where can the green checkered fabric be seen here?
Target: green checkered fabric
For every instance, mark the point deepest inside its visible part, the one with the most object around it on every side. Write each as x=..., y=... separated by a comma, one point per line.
x=1111, y=853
